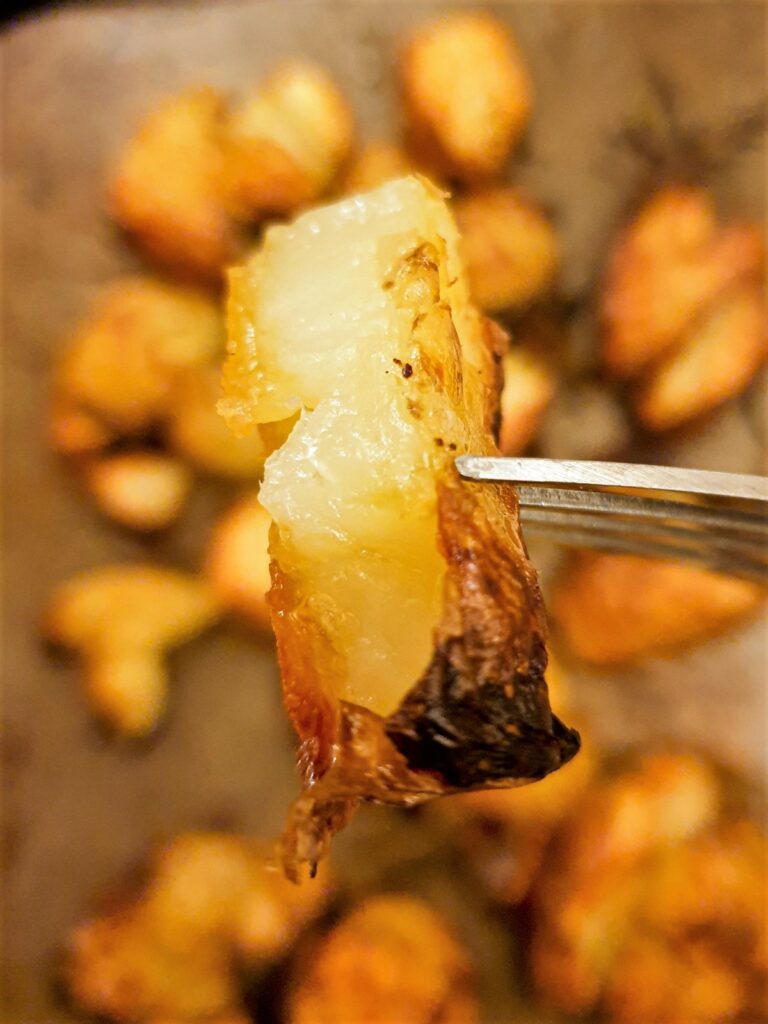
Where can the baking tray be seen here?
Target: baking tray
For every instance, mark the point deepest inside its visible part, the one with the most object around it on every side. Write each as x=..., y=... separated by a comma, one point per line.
x=79, y=810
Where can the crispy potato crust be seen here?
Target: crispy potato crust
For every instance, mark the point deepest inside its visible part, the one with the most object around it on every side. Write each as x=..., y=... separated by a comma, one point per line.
x=615, y=609
x=391, y=959
x=167, y=188
x=466, y=96
x=121, y=620
x=211, y=906
x=510, y=248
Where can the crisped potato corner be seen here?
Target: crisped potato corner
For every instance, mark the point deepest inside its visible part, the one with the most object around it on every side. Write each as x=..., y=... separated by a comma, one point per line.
x=466, y=96
x=408, y=619
x=211, y=906
x=391, y=960
x=122, y=620
x=614, y=609
x=167, y=188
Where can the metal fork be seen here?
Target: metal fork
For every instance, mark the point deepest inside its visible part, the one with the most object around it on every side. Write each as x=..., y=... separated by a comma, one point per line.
x=719, y=519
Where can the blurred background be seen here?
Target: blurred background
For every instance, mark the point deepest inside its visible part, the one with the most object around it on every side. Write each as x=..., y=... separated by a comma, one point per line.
x=607, y=169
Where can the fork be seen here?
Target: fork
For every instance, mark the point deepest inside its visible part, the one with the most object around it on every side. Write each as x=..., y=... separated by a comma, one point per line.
x=719, y=519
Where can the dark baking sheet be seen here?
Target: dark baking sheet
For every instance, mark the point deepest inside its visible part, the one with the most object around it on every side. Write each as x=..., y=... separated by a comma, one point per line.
x=79, y=809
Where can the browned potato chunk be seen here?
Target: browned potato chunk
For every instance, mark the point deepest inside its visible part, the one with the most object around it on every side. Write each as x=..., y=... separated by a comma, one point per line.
x=391, y=959
x=197, y=432
x=287, y=141
x=75, y=432
x=529, y=385
x=649, y=909
x=121, y=620
x=121, y=366
x=668, y=265
x=375, y=164
x=140, y=490
x=716, y=362
x=167, y=188
x=510, y=248
x=613, y=609
x=237, y=561
x=210, y=903
x=466, y=95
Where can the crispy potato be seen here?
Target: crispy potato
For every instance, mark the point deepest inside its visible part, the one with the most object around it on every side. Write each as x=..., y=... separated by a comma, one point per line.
x=466, y=95
x=391, y=959
x=141, y=490
x=667, y=266
x=75, y=432
x=237, y=1018
x=211, y=903
x=510, y=248
x=121, y=365
x=649, y=908
x=122, y=620
x=168, y=190
x=614, y=609
x=196, y=432
x=529, y=386
x=375, y=164
x=287, y=141
x=717, y=360
x=237, y=561
x=395, y=373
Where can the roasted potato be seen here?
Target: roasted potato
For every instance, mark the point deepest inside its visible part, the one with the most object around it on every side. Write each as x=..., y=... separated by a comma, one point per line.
x=715, y=362
x=615, y=609
x=395, y=373
x=286, y=141
x=211, y=906
x=668, y=265
x=649, y=909
x=529, y=386
x=121, y=620
x=75, y=432
x=375, y=164
x=197, y=433
x=168, y=186
x=466, y=96
x=392, y=959
x=142, y=490
x=510, y=248
x=121, y=366
x=237, y=561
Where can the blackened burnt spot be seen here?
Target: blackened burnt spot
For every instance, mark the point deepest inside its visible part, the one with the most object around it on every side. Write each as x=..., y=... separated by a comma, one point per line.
x=407, y=370
x=398, y=362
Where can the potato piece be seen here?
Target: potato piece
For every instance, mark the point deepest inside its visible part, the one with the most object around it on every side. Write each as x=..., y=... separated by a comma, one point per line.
x=196, y=432
x=667, y=266
x=375, y=164
x=141, y=490
x=237, y=561
x=210, y=903
x=167, y=188
x=121, y=620
x=529, y=386
x=614, y=609
x=121, y=365
x=389, y=630
x=74, y=432
x=510, y=248
x=287, y=141
x=391, y=959
x=466, y=95
x=716, y=362
x=649, y=909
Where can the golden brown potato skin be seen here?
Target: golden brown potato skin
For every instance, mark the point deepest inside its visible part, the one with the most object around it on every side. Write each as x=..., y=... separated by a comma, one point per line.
x=167, y=187
x=669, y=263
x=649, y=910
x=390, y=960
x=172, y=949
x=509, y=246
x=616, y=609
x=466, y=96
